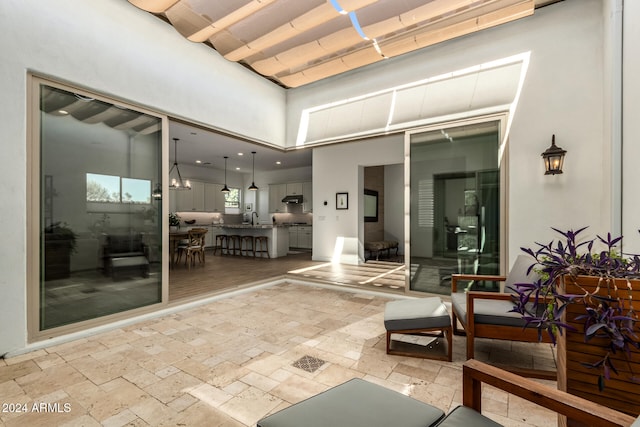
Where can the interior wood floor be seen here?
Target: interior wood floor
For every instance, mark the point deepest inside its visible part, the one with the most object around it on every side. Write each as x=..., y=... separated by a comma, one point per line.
x=221, y=273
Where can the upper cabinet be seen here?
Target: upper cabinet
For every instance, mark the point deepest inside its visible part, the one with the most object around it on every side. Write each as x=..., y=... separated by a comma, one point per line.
x=190, y=200
x=203, y=197
x=213, y=198
x=277, y=192
x=294, y=189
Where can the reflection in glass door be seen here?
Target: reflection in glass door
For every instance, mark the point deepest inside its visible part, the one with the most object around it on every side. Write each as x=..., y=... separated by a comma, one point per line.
x=454, y=206
x=100, y=223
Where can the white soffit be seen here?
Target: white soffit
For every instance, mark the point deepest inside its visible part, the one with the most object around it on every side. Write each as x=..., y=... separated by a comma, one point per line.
x=488, y=87
x=353, y=117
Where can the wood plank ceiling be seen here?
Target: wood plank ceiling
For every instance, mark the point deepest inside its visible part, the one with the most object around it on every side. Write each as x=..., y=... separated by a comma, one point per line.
x=296, y=42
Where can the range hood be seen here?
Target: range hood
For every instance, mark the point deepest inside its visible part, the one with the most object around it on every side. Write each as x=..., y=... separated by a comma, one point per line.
x=292, y=199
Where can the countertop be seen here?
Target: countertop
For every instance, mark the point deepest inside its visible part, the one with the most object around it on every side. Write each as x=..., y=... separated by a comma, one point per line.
x=248, y=225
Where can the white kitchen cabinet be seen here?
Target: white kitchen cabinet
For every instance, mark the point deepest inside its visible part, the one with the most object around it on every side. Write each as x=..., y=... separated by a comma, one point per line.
x=293, y=237
x=213, y=198
x=294, y=189
x=184, y=199
x=197, y=188
x=305, y=237
x=307, y=192
x=203, y=197
x=300, y=236
x=190, y=200
x=277, y=192
x=210, y=237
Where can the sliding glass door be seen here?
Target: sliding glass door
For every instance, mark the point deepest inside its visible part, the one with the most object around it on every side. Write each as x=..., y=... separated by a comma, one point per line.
x=454, y=205
x=99, y=220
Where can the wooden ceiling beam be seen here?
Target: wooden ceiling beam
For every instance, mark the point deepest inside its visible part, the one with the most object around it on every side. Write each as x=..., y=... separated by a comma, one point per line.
x=233, y=18
x=311, y=19
x=333, y=43
x=416, y=39
x=154, y=6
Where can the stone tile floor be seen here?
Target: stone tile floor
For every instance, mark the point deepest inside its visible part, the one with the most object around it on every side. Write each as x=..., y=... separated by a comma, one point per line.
x=231, y=362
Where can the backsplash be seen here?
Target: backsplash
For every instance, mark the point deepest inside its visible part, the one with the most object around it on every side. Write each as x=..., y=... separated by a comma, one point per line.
x=207, y=218
x=288, y=218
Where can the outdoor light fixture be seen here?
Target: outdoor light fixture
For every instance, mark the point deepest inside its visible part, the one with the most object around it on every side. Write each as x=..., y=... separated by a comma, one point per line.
x=157, y=192
x=177, y=184
x=253, y=187
x=553, y=158
x=225, y=189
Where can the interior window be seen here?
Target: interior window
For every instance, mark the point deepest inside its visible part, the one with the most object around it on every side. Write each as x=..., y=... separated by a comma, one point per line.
x=232, y=198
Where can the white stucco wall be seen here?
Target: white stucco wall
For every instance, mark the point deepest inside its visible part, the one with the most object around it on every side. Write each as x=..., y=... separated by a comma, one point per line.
x=563, y=94
x=339, y=169
x=113, y=48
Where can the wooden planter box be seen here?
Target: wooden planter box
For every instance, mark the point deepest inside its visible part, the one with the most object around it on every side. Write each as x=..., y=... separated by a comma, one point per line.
x=620, y=392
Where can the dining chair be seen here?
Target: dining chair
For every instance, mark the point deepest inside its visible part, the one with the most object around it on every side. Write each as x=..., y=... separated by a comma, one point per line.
x=195, y=247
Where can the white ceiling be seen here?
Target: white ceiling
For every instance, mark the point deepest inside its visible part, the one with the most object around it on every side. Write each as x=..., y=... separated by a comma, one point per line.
x=210, y=148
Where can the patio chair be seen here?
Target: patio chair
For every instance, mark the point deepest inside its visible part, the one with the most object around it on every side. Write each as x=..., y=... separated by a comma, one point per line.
x=487, y=314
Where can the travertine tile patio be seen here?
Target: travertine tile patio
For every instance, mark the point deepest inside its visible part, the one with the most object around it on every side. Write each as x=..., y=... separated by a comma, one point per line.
x=230, y=363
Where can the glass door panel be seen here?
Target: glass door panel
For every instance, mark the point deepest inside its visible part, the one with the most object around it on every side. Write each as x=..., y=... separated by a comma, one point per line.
x=454, y=206
x=100, y=227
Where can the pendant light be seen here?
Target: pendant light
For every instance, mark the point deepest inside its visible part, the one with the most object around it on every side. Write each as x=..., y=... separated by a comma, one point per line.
x=177, y=184
x=253, y=187
x=225, y=189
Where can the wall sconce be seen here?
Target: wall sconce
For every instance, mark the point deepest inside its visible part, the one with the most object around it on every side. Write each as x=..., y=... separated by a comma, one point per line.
x=157, y=192
x=553, y=158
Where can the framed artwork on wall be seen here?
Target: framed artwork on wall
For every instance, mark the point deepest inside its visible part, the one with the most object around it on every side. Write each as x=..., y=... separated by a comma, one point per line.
x=342, y=200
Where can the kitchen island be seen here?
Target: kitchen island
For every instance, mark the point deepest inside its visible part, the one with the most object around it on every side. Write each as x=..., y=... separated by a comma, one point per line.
x=278, y=235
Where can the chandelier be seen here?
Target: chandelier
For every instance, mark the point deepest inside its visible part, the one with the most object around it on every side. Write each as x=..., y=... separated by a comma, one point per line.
x=176, y=182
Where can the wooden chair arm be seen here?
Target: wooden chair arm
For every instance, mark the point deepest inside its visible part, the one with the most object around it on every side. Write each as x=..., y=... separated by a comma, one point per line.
x=501, y=296
x=488, y=277
x=474, y=373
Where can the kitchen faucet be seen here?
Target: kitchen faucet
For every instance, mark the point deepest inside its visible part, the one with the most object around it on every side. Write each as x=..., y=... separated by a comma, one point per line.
x=252, y=214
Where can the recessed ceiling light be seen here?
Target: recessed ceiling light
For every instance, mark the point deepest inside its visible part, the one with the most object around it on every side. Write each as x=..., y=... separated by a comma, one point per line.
x=198, y=161
x=240, y=154
x=63, y=112
x=237, y=169
x=278, y=163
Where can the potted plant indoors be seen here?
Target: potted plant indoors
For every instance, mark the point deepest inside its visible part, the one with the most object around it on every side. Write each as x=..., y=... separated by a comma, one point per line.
x=174, y=221
x=584, y=297
x=59, y=244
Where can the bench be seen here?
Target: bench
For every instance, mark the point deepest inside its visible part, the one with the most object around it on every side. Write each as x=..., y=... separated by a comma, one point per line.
x=375, y=248
x=123, y=253
x=122, y=265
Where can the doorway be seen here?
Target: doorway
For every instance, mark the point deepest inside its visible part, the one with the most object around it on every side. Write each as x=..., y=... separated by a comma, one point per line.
x=454, y=205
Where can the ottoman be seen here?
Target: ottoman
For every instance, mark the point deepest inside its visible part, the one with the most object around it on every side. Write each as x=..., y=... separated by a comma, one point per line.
x=356, y=403
x=422, y=316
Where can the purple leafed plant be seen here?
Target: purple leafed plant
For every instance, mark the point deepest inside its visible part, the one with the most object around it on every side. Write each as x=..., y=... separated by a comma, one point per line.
x=542, y=302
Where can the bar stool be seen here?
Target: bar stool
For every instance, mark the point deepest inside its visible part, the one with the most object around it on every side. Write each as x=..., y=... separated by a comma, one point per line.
x=221, y=243
x=261, y=246
x=246, y=245
x=234, y=244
